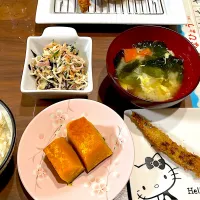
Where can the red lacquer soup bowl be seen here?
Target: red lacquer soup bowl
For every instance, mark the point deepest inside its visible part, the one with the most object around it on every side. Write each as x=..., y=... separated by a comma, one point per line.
x=181, y=47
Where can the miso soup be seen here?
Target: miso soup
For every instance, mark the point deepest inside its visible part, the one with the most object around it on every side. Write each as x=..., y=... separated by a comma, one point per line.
x=149, y=71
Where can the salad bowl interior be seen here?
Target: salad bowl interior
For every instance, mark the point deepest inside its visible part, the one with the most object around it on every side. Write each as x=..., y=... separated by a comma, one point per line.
x=60, y=35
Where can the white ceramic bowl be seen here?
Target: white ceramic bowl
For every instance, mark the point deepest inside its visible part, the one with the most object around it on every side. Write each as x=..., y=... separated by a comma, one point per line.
x=36, y=44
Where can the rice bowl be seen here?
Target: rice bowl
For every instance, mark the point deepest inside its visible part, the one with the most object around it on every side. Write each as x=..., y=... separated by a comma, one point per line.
x=7, y=135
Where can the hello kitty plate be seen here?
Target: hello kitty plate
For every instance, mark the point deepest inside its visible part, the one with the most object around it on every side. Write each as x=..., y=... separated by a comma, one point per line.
x=154, y=175
x=104, y=182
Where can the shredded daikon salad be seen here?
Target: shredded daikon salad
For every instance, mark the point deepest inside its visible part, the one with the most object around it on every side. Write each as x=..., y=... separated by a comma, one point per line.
x=59, y=68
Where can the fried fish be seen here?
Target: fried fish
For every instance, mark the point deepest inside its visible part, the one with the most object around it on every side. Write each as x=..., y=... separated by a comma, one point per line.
x=162, y=142
x=84, y=5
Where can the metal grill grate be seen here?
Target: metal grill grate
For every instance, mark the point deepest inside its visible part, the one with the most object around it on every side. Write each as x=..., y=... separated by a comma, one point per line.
x=142, y=7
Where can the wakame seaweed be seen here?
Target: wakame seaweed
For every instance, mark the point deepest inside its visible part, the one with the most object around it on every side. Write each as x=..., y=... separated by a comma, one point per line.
x=149, y=71
x=34, y=54
x=128, y=69
x=172, y=63
x=118, y=58
x=156, y=62
x=130, y=66
x=158, y=48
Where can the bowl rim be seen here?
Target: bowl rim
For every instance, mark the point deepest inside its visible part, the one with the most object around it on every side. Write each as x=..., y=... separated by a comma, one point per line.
x=131, y=95
x=13, y=135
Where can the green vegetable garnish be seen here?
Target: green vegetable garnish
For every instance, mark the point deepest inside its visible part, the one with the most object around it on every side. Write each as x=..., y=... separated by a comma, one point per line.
x=56, y=53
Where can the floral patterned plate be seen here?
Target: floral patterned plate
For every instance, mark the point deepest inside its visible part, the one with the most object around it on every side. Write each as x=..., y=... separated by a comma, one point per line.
x=105, y=181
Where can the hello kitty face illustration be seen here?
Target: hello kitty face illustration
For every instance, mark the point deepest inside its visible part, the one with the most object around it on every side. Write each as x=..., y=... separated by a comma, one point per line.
x=157, y=178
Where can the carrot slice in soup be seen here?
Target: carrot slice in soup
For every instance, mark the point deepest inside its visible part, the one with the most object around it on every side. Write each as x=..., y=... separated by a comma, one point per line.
x=130, y=54
x=145, y=52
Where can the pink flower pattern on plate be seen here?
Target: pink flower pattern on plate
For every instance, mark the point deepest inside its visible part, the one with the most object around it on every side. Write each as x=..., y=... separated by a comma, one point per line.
x=98, y=186
x=120, y=141
x=59, y=118
x=40, y=173
x=41, y=136
x=61, y=132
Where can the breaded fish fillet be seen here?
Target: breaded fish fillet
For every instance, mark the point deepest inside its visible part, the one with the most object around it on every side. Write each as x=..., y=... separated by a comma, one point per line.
x=161, y=142
x=84, y=5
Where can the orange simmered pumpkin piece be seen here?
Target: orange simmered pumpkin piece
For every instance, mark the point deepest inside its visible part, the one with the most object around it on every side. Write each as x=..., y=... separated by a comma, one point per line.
x=87, y=142
x=64, y=159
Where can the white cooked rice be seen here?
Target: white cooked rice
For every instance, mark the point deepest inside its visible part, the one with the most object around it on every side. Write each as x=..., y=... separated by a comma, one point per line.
x=5, y=138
